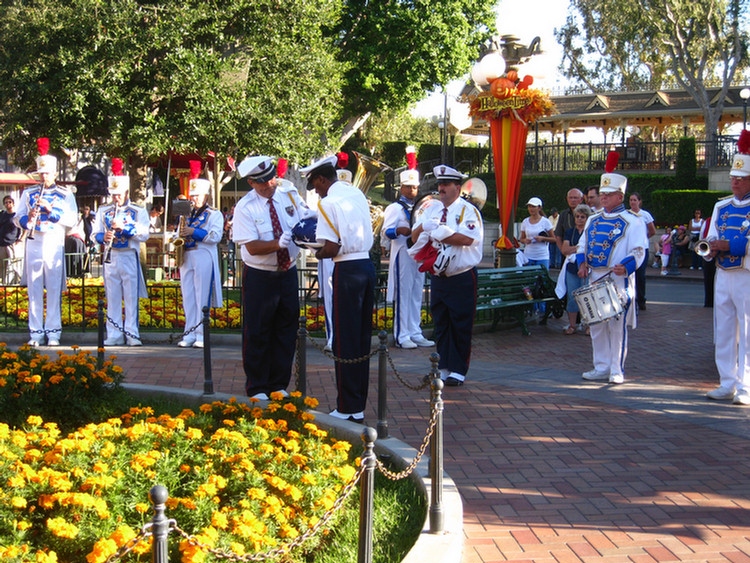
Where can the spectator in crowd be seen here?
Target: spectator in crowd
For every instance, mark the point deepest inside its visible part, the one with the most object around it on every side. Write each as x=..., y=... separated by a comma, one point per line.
x=665, y=250
x=640, y=274
x=566, y=221
x=592, y=199
x=569, y=274
x=121, y=227
x=46, y=210
x=11, y=250
x=555, y=259
x=76, y=260
x=263, y=221
x=680, y=247
x=156, y=224
x=345, y=228
x=536, y=234
x=728, y=239
x=453, y=229
x=696, y=227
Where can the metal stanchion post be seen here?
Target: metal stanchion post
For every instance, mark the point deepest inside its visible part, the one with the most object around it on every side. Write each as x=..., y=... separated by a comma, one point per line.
x=208, y=382
x=100, y=335
x=366, y=491
x=436, y=460
x=382, y=387
x=160, y=524
x=302, y=356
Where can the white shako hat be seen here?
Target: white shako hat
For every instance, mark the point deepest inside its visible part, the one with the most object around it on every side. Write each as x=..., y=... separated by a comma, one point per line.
x=611, y=182
x=741, y=161
x=45, y=162
x=343, y=173
x=198, y=186
x=410, y=176
x=118, y=182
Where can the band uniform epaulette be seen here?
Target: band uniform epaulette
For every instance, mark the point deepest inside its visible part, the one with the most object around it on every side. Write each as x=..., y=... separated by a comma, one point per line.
x=730, y=196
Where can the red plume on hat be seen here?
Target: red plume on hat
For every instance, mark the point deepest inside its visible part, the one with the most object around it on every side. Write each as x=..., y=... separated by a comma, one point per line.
x=411, y=157
x=282, y=167
x=343, y=160
x=42, y=143
x=743, y=144
x=117, y=167
x=612, y=159
x=195, y=169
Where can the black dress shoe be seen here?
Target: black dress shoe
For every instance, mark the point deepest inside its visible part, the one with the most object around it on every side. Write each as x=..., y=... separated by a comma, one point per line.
x=357, y=420
x=453, y=382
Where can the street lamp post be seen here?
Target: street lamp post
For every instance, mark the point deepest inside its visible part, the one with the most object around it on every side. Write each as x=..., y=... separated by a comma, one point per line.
x=744, y=94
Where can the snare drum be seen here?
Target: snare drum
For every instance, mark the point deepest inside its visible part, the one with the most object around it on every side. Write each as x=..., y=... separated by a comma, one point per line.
x=598, y=302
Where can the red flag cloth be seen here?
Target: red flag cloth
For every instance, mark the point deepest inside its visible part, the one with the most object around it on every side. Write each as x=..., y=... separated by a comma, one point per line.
x=508, y=150
x=426, y=257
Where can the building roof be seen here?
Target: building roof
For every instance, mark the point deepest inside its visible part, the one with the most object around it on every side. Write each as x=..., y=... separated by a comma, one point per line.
x=656, y=108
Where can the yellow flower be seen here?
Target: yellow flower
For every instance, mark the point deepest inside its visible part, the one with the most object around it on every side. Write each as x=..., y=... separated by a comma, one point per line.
x=102, y=550
x=34, y=420
x=18, y=502
x=61, y=528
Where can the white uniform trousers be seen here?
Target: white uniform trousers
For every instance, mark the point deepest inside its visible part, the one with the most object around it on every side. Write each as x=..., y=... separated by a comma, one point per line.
x=732, y=328
x=45, y=268
x=408, y=284
x=609, y=339
x=325, y=283
x=122, y=277
x=196, y=284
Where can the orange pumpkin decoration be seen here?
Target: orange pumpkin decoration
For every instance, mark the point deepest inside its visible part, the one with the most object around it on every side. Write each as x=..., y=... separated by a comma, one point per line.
x=502, y=88
x=512, y=75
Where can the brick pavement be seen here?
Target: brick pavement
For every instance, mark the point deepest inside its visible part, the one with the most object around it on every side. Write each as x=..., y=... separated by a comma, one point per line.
x=554, y=469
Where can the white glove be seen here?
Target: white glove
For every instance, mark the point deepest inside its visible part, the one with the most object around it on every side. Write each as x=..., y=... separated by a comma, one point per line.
x=285, y=240
x=430, y=224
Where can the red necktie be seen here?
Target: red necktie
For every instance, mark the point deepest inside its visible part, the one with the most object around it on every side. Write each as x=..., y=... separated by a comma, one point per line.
x=444, y=218
x=282, y=254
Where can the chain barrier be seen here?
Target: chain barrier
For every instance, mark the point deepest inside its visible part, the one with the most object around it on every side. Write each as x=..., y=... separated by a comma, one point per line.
x=284, y=549
x=423, y=448
x=330, y=355
x=170, y=340
x=130, y=545
x=425, y=380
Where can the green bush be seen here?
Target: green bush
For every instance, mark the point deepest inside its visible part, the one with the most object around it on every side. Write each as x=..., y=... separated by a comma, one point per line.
x=686, y=165
x=676, y=207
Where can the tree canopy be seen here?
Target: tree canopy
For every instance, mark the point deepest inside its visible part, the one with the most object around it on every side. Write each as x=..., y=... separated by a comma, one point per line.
x=141, y=77
x=613, y=44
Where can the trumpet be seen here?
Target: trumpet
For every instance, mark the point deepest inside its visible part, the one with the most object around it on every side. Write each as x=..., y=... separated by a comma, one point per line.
x=177, y=241
x=702, y=247
x=107, y=252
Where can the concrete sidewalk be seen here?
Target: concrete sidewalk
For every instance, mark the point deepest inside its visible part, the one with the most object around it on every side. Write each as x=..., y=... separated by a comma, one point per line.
x=552, y=468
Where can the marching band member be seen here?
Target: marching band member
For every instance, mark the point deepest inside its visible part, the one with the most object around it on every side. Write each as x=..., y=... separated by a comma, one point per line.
x=263, y=220
x=405, y=281
x=200, y=279
x=345, y=229
x=45, y=211
x=729, y=240
x=612, y=242
x=451, y=234
x=121, y=227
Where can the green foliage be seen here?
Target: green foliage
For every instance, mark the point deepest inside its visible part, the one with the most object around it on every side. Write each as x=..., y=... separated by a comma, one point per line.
x=397, y=51
x=676, y=207
x=686, y=166
x=151, y=77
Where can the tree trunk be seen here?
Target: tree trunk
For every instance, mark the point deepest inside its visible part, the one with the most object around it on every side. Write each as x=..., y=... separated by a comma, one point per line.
x=138, y=177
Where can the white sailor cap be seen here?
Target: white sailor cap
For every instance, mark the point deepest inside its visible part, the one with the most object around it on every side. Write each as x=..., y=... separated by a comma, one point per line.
x=446, y=173
x=740, y=165
x=612, y=182
x=257, y=168
x=409, y=178
x=319, y=164
x=199, y=186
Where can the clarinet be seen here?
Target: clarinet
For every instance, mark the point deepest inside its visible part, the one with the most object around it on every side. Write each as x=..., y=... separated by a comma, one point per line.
x=31, y=227
x=108, y=247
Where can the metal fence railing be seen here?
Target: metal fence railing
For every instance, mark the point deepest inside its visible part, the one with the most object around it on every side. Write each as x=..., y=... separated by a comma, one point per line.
x=162, y=309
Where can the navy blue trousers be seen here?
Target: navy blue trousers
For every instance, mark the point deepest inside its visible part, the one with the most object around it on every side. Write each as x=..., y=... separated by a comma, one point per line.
x=353, y=300
x=269, y=328
x=453, y=302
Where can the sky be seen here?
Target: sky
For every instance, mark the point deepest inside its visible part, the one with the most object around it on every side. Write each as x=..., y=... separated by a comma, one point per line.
x=525, y=19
